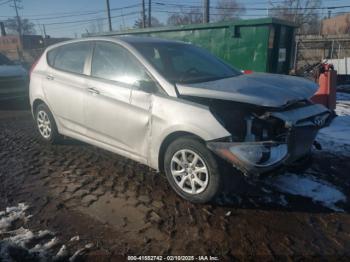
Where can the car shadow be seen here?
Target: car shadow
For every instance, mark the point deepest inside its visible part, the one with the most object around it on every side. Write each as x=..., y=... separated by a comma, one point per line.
x=285, y=191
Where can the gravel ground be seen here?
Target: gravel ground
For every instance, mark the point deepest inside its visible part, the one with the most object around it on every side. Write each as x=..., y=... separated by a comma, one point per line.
x=113, y=207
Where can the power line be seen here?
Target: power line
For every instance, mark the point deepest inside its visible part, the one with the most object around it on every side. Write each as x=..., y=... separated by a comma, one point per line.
x=217, y=14
x=49, y=16
x=6, y=2
x=88, y=20
x=256, y=8
x=127, y=15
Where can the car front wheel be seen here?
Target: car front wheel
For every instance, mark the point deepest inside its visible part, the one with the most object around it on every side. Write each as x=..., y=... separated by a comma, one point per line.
x=192, y=170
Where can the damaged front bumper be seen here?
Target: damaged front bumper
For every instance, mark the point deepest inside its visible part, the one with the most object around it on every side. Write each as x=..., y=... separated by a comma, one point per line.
x=254, y=158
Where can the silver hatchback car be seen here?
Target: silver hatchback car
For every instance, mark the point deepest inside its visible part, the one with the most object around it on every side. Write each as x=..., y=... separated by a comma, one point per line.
x=174, y=107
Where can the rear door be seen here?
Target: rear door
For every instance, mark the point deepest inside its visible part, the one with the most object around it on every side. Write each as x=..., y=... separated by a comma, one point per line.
x=110, y=116
x=65, y=84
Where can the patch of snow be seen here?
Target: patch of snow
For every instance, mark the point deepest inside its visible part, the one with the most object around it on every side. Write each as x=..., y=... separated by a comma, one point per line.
x=309, y=186
x=46, y=246
x=44, y=233
x=336, y=137
x=343, y=96
x=273, y=199
x=11, y=214
x=81, y=251
x=283, y=201
x=75, y=238
x=22, y=237
x=63, y=252
x=89, y=245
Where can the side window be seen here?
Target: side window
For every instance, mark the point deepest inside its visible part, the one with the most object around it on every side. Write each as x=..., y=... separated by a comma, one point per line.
x=72, y=57
x=113, y=62
x=51, y=56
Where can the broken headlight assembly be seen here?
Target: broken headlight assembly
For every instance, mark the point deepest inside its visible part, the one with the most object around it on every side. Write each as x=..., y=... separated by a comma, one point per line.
x=258, y=141
x=251, y=156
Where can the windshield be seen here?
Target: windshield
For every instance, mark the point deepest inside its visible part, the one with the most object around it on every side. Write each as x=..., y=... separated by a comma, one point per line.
x=4, y=60
x=185, y=63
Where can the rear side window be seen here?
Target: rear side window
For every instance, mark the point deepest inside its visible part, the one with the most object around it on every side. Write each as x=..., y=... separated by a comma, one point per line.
x=51, y=55
x=112, y=62
x=70, y=57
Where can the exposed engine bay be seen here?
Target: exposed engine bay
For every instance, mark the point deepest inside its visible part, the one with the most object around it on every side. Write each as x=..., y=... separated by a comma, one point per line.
x=263, y=137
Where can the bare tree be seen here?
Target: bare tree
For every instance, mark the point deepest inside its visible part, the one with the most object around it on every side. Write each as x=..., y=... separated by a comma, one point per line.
x=154, y=22
x=303, y=13
x=194, y=16
x=228, y=10
x=96, y=26
x=347, y=25
x=28, y=28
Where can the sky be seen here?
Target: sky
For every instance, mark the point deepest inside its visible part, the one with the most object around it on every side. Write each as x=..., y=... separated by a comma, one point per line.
x=68, y=18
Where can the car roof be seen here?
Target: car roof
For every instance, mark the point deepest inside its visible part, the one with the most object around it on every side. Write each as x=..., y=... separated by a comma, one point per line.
x=143, y=39
x=130, y=40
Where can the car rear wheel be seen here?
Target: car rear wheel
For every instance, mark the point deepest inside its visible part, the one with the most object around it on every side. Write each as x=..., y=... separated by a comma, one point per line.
x=46, y=124
x=192, y=170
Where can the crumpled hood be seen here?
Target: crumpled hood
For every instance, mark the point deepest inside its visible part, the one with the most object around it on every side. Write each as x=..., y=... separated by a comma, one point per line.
x=12, y=70
x=270, y=90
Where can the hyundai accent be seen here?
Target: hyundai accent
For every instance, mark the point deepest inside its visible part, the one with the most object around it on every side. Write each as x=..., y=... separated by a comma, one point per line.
x=174, y=107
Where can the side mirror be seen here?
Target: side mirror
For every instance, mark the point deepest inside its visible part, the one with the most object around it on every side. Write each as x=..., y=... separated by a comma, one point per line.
x=148, y=86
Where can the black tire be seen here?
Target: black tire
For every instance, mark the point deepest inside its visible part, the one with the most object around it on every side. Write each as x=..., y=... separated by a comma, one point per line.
x=214, y=177
x=54, y=136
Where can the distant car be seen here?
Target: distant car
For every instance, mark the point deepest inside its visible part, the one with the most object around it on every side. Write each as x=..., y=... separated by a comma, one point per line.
x=13, y=79
x=174, y=107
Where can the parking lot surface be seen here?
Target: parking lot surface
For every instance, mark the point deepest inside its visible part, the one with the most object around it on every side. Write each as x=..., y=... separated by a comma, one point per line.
x=108, y=207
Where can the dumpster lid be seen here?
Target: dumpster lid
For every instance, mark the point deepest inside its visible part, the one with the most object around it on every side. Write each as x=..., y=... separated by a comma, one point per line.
x=242, y=22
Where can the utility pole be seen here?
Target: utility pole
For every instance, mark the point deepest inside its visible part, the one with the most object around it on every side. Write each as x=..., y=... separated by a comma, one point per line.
x=20, y=32
x=149, y=13
x=329, y=13
x=143, y=14
x=44, y=30
x=206, y=11
x=45, y=36
x=19, y=24
x=109, y=16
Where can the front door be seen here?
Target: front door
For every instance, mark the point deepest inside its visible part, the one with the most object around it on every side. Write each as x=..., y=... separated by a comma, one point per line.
x=111, y=117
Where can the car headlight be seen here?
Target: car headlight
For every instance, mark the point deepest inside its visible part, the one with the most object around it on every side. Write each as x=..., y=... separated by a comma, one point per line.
x=262, y=154
x=251, y=155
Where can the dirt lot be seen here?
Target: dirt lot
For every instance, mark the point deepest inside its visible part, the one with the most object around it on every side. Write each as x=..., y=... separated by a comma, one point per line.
x=115, y=207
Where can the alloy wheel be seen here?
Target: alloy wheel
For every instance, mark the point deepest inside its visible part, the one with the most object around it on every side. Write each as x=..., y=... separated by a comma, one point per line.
x=189, y=171
x=44, y=124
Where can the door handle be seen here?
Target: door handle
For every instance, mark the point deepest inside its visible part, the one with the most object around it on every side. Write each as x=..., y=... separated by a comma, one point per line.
x=93, y=91
x=50, y=77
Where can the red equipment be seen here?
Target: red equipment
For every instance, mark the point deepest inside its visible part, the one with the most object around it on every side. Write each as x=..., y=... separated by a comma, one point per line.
x=247, y=72
x=326, y=93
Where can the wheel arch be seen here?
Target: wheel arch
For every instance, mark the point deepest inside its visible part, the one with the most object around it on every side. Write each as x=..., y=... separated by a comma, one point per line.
x=168, y=140
x=36, y=103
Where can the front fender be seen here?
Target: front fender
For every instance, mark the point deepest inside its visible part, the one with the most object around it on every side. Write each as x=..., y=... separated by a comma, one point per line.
x=170, y=115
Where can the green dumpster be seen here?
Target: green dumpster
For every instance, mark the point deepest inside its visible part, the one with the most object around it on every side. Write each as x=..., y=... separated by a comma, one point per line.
x=261, y=45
